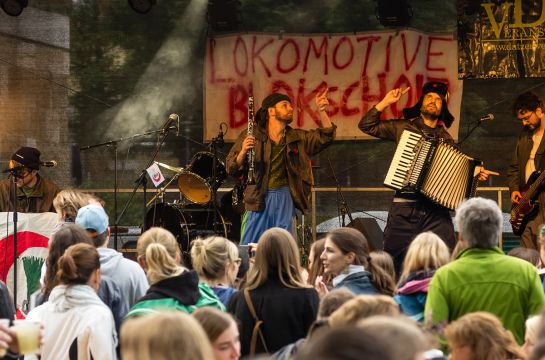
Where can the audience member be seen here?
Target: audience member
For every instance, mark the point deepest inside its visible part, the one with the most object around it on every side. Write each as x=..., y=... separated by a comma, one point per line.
x=8, y=343
x=531, y=334
x=76, y=321
x=67, y=203
x=527, y=254
x=172, y=285
x=346, y=258
x=481, y=335
x=108, y=291
x=406, y=340
x=483, y=278
x=385, y=261
x=347, y=343
x=276, y=302
x=334, y=300
x=222, y=331
x=7, y=308
x=425, y=255
x=315, y=265
x=216, y=261
x=164, y=336
x=127, y=275
x=362, y=307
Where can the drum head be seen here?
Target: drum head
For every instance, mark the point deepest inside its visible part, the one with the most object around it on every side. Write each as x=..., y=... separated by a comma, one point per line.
x=194, y=188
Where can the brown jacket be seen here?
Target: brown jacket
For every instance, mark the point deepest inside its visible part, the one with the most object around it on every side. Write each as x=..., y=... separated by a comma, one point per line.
x=300, y=145
x=40, y=201
x=516, y=173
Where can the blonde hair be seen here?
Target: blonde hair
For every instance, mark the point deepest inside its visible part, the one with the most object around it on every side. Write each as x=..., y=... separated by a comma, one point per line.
x=166, y=335
x=213, y=321
x=69, y=201
x=159, y=249
x=361, y=307
x=485, y=335
x=210, y=256
x=427, y=252
x=276, y=252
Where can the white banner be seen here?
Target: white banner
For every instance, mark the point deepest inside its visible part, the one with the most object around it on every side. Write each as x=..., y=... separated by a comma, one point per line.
x=33, y=233
x=358, y=69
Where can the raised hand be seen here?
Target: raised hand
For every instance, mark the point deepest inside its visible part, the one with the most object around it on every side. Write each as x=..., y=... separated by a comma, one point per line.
x=391, y=97
x=321, y=99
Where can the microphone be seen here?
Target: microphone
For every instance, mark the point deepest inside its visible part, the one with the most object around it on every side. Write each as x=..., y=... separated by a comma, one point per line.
x=51, y=163
x=487, y=117
x=175, y=117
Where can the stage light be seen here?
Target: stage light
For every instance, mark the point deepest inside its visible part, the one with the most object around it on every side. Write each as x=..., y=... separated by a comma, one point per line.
x=13, y=7
x=142, y=6
x=224, y=15
x=394, y=12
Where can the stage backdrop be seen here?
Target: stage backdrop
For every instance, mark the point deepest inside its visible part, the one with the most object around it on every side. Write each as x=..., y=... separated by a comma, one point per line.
x=358, y=69
x=501, y=39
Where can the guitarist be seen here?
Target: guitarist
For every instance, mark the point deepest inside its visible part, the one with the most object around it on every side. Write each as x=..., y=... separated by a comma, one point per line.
x=528, y=157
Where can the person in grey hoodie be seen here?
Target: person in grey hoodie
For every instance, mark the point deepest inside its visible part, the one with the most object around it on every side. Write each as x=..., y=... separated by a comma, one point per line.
x=127, y=274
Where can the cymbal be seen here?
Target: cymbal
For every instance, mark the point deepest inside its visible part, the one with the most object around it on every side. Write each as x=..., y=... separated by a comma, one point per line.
x=171, y=168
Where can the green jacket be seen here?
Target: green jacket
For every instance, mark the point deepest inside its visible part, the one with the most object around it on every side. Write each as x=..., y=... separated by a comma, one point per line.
x=177, y=293
x=486, y=280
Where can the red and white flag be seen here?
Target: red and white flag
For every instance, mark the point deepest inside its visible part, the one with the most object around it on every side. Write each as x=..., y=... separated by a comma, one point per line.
x=33, y=233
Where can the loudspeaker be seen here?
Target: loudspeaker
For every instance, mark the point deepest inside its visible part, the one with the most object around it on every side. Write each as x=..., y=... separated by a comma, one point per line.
x=370, y=229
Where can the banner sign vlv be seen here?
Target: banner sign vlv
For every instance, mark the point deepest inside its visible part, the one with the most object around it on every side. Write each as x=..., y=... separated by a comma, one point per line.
x=501, y=39
x=358, y=70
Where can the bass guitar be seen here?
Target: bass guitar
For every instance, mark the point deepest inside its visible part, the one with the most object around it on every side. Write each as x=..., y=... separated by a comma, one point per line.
x=527, y=207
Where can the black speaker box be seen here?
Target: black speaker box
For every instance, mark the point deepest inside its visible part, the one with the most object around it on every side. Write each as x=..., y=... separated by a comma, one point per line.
x=370, y=229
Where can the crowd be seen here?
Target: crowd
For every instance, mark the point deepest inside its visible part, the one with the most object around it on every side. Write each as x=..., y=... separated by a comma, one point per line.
x=477, y=303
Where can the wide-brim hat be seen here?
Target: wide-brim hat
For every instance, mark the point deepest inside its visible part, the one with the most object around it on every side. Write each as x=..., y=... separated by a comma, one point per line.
x=440, y=89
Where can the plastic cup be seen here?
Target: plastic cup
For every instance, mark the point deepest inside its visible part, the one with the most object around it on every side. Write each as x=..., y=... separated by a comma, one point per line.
x=28, y=336
x=4, y=322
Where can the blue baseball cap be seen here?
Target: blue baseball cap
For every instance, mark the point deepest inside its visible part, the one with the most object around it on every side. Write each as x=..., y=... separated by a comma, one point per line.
x=93, y=218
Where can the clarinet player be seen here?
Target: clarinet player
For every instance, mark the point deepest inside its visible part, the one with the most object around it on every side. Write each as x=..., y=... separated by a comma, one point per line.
x=282, y=168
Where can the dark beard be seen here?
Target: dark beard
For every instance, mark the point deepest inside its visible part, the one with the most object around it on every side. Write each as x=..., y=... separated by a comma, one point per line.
x=429, y=115
x=288, y=119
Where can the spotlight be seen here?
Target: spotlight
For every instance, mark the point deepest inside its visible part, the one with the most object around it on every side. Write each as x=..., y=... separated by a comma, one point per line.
x=394, y=12
x=224, y=15
x=13, y=7
x=142, y=6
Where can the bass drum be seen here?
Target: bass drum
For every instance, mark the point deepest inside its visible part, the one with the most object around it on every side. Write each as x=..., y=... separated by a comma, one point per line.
x=186, y=223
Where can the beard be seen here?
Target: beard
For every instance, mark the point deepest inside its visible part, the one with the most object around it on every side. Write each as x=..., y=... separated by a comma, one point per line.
x=430, y=112
x=533, y=127
x=288, y=118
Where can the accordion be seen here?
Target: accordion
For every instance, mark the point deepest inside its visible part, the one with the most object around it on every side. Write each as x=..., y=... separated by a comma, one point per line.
x=433, y=168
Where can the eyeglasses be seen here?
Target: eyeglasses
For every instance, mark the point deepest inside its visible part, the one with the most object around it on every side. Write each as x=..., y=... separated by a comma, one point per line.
x=526, y=118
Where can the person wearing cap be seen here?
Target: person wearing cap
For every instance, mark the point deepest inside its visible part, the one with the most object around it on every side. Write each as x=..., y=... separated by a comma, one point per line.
x=34, y=193
x=126, y=274
x=411, y=214
x=283, y=173
x=528, y=157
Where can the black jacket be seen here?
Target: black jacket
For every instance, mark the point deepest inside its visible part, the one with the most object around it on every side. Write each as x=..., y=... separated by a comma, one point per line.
x=287, y=314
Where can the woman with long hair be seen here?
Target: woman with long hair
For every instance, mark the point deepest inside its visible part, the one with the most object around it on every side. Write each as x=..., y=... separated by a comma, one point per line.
x=76, y=321
x=277, y=306
x=222, y=331
x=481, y=335
x=172, y=286
x=216, y=261
x=425, y=255
x=315, y=265
x=165, y=336
x=346, y=258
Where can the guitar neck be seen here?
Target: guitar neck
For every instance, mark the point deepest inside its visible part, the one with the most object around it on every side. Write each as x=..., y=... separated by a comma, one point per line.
x=535, y=185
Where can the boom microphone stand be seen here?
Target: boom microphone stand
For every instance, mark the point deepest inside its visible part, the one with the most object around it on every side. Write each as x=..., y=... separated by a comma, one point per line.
x=341, y=205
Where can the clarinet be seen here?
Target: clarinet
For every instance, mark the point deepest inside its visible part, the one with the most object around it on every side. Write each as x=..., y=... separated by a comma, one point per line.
x=251, y=153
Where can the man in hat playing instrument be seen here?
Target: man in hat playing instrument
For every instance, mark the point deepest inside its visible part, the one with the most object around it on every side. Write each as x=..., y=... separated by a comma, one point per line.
x=411, y=214
x=34, y=193
x=283, y=173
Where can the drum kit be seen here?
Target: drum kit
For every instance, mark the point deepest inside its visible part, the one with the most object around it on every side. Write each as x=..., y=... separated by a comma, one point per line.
x=197, y=213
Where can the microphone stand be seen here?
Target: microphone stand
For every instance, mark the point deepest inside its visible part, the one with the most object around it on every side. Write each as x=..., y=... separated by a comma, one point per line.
x=479, y=122
x=214, y=144
x=141, y=179
x=342, y=206
x=13, y=195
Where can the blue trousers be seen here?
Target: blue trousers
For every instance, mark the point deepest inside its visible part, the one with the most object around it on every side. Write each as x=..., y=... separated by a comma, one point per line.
x=279, y=211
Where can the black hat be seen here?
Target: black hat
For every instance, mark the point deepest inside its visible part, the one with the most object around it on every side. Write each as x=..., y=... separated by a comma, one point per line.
x=27, y=156
x=440, y=89
x=268, y=102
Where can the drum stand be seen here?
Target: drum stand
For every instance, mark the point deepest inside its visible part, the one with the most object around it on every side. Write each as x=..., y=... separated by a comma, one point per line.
x=214, y=144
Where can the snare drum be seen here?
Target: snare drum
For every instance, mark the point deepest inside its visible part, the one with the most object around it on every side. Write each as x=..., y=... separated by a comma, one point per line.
x=186, y=223
x=197, y=181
